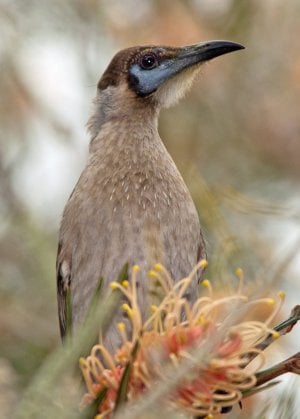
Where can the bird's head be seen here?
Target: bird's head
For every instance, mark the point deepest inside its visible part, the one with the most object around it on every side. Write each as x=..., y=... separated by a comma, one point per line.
x=146, y=78
x=161, y=74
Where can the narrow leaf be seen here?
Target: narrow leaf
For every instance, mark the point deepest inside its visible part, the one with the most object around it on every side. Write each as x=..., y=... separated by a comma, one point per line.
x=123, y=388
x=123, y=275
x=254, y=390
x=95, y=298
x=92, y=410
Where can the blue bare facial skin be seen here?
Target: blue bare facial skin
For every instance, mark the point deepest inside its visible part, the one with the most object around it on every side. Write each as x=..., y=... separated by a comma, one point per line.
x=146, y=75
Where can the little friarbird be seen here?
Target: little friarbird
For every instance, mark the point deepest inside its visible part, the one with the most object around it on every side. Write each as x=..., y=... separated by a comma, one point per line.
x=130, y=204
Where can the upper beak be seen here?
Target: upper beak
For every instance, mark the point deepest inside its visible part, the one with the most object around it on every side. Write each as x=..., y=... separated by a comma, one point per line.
x=205, y=51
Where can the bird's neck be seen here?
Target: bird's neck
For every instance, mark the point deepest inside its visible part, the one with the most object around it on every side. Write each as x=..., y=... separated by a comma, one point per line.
x=129, y=135
x=122, y=126
x=118, y=110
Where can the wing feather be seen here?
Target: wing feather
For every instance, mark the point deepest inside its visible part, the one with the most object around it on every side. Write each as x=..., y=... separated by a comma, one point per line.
x=63, y=278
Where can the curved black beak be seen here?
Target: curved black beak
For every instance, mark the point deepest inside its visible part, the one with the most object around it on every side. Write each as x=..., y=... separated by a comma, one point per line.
x=205, y=51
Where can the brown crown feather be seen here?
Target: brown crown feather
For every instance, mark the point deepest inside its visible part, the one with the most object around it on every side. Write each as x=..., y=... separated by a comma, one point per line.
x=119, y=65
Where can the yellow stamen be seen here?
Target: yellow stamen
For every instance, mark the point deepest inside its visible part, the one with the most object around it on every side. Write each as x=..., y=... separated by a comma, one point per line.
x=152, y=274
x=121, y=326
x=206, y=283
x=166, y=278
x=125, y=307
x=239, y=273
x=136, y=268
x=123, y=288
x=153, y=308
x=158, y=267
x=270, y=301
x=203, y=264
x=128, y=310
x=122, y=329
x=161, y=281
x=281, y=295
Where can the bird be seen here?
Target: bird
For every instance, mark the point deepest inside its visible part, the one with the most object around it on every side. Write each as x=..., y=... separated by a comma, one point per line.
x=131, y=204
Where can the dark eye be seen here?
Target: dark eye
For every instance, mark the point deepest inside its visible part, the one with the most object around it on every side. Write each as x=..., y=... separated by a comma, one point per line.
x=148, y=61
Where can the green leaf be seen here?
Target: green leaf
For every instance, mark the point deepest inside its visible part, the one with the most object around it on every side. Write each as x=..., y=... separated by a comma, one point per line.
x=123, y=275
x=254, y=390
x=123, y=388
x=93, y=408
x=95, y=298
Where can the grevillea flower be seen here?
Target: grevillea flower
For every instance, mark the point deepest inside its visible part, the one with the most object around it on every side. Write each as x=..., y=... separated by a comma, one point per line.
x=205, y=338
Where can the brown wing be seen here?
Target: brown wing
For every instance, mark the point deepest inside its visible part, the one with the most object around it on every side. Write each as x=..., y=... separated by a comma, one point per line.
x=63, y=281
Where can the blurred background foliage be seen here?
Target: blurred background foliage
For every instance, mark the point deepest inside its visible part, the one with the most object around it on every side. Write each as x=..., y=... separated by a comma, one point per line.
x=235, y=138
